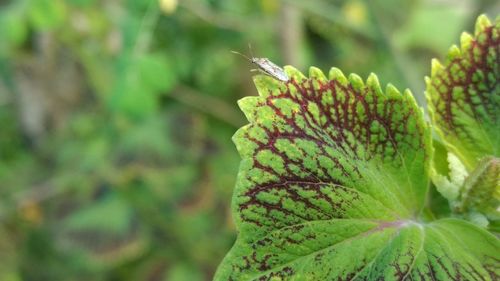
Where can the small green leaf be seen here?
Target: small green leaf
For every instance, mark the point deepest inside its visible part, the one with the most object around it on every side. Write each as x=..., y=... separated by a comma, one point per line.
x=464, y=95
x=450, y=188
x=481, y=191
x=332, y=184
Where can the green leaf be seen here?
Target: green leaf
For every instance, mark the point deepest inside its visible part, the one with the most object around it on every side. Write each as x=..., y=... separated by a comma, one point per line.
x=47, y=14
x=481, y=190
x=141, y=81
x=103, y=234
x=464, y=95
x=116, y=220
x=450, y=187
x=332, y=184
x=13, y=28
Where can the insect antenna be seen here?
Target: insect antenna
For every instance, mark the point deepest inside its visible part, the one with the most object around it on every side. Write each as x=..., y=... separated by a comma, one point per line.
x=238, y=53
x=250, y=50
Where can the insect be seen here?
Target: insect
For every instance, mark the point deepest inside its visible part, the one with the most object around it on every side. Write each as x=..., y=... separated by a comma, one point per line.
x=266, y=66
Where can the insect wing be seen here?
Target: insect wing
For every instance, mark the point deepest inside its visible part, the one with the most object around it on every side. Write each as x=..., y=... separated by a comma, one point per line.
x=272, y=69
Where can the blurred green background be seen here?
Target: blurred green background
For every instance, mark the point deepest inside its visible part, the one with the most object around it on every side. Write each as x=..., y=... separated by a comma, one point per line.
x=116, y=160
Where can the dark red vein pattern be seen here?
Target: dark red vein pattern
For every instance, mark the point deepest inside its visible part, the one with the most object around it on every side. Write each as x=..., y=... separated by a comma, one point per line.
x=319, y=149
x=464, y=94
x=333, y=178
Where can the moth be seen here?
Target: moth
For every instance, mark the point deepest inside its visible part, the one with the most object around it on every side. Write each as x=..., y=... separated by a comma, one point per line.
x=266, y=66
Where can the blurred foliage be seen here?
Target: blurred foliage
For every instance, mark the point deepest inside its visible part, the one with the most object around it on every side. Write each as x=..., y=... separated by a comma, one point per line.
x=116, y=161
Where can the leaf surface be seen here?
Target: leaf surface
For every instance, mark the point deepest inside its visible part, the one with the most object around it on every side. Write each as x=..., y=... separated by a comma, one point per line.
x=464, y=94
x=333, y=179
x=480, y=195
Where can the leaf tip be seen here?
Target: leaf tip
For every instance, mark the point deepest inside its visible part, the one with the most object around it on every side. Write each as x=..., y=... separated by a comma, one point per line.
x=238, y=136
x=454, y=53
x=481, y=24
x=316, y=74
x=407, y=93
x=373, y=83
x=247, y=105
x=436, y=67
x=337, y=75
x=427, y=80
x=294, y=73
x=392, y=91
x=356, y=81
x=465, y=41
